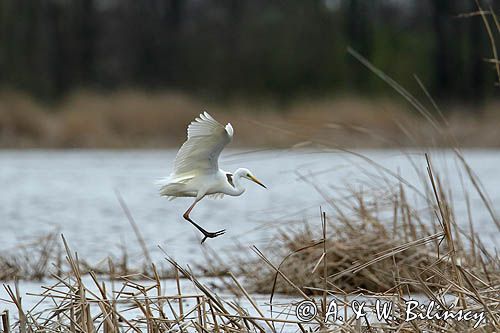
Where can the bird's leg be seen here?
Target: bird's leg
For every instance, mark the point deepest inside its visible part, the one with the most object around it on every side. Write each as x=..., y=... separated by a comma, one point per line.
x=207, y=234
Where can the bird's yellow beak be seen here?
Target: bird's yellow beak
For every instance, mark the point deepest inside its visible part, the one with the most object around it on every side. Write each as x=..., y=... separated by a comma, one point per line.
x=257, y=181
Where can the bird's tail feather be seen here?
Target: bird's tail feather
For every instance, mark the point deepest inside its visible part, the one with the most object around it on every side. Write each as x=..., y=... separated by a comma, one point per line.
x=173, y=185
x=171, y=189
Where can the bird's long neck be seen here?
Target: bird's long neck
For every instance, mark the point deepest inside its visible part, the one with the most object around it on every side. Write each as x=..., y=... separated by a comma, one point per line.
x=238, y=188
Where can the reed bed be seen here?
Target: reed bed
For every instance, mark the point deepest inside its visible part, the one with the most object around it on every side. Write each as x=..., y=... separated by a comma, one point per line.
x=138, y=119
x=29, y=261
x=378, y=242
x=42, y=257
x=382, y=247
x=135, y=303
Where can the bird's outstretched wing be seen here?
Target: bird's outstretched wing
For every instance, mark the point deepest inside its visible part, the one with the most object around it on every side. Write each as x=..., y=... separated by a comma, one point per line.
x=206, y=138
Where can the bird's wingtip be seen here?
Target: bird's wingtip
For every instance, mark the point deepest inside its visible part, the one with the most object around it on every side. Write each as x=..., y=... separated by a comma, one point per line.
x=229, y=129
x=205, y=115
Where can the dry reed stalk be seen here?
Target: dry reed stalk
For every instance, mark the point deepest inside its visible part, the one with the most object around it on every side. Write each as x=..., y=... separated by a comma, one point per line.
x=137, y=232
x=363, y=250
x=42, y=257
x=491, y=37
x=78, y=309
x=137, y=306
x=5, y=322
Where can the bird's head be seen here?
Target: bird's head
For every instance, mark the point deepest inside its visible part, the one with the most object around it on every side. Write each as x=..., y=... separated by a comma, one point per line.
x=245, y=173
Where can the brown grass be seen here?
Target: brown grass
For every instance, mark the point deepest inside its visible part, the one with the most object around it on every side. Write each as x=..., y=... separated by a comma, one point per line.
x=375, y=241
x=129, y=119
x=44, y=256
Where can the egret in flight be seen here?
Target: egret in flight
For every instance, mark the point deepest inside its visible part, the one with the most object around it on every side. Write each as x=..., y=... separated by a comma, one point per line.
x=196, y=168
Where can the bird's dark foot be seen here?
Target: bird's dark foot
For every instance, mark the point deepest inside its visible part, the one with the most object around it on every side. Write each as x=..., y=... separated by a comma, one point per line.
x=206, y=234
x=212, y=234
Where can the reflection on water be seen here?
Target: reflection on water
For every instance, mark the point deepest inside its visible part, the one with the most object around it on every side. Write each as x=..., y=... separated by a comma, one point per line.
x=73, y=192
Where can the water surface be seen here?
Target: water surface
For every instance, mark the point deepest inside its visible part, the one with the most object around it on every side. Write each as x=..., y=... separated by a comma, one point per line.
x=73, y=192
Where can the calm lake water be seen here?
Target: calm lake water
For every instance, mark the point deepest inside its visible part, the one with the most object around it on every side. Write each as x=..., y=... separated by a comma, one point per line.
x=73, y=192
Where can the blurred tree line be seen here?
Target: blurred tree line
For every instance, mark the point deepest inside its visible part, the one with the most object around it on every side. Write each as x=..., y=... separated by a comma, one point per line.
x=243, y=47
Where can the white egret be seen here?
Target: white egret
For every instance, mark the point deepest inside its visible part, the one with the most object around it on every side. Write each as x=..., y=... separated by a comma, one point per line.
x=196, y=168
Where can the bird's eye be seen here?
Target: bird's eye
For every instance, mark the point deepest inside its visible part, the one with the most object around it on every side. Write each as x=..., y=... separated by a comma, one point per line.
x=248, y=175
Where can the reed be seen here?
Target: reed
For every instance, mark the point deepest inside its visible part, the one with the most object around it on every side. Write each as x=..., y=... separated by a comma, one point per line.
x=44, y=256
x=138, y=119
x=136, y=304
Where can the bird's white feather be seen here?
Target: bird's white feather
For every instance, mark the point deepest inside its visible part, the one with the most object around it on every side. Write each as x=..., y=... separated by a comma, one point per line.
x=200, y=153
